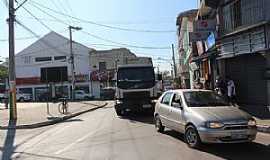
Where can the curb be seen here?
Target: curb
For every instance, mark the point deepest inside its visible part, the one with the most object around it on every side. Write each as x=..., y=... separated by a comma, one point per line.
x=264, y=129
x=47, y=123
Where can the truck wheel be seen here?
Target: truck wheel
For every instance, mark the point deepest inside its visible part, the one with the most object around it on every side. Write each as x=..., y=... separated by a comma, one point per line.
x=118, y=110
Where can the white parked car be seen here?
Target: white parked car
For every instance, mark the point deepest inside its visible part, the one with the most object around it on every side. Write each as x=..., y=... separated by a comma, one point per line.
x=22, y=97
x=203, y=116
x=81, y=95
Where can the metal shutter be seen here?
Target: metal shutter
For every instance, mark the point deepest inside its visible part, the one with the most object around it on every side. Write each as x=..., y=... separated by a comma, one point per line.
x=247, y=73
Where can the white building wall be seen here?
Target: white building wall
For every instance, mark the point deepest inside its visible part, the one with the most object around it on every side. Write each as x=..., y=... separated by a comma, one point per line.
x=51, y=45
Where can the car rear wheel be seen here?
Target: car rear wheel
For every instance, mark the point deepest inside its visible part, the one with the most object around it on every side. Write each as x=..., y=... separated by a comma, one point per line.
x=158, y=125
x=192, y=137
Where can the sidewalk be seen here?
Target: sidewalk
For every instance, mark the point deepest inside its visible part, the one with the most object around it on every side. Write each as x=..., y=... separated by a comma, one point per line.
x=33, y=115
x=261, y=114
x=263, y=125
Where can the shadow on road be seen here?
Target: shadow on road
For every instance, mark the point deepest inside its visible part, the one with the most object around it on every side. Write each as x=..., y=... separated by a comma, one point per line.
x=9, y=147
x=139, y=117
x=238, y=151
x=245, y=151
x=72, y=120
x=40, y=156
x=175, y=135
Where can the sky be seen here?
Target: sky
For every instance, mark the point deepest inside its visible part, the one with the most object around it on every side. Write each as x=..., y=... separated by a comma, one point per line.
x=139, y=17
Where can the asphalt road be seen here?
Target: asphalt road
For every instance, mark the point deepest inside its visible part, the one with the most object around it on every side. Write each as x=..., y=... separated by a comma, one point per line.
x=101, y=135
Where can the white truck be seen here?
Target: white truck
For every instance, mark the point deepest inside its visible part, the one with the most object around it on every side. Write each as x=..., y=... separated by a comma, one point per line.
x=135, y=86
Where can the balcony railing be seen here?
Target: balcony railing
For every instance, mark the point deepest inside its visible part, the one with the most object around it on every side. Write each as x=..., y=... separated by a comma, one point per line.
x=242, y=13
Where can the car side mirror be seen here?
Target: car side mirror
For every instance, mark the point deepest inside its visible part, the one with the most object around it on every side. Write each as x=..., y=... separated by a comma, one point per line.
x=177, y=105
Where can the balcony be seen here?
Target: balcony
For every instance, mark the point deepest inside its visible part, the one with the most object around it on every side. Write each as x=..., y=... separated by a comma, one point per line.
x=236, y=15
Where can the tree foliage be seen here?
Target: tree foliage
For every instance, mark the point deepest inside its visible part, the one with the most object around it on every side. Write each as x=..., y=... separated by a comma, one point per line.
x=3, y=73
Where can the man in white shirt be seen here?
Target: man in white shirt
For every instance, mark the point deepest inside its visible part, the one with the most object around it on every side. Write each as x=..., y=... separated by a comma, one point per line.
x=231, y=90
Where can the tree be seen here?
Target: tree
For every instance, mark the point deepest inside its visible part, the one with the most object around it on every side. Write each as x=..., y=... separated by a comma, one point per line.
x=3, y=73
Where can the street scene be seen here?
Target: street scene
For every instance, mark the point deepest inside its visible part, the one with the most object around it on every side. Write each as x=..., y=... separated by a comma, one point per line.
x=117, y=80
x=101, y=134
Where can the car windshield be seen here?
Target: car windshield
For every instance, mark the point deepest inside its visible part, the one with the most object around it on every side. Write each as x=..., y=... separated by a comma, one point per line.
x=138, y=74
x=135, y=78
x=204, y=99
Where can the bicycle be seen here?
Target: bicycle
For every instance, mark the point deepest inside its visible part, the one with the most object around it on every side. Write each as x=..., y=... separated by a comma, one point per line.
x=63, y=106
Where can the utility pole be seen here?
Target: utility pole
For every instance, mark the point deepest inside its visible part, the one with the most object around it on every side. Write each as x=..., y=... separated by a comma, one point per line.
x=72, y=61
x=174, y=65
x=12, y=76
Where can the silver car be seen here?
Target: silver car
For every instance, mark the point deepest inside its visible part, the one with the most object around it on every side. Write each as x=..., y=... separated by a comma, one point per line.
x=204, y=117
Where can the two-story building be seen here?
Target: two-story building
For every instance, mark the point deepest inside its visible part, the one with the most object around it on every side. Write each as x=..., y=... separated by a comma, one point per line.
x=103, y=64
x=242, y=42
x=44, y=70
x=185, y=49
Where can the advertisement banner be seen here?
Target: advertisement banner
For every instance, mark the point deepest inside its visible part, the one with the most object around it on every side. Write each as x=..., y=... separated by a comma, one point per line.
x=198, y=36
x=205, y=25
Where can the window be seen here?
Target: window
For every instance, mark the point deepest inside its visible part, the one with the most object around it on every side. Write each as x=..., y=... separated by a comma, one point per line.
x=237, y=14
x=102, y=66
x=27, y=59
x=59, y=58
x=166, y=98
x=176, y=99
x=43, y=59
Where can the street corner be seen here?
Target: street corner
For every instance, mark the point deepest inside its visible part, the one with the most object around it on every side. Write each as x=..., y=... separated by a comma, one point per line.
x=52, y=121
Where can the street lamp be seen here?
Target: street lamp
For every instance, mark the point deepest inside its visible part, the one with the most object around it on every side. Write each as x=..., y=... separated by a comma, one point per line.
x=72, y=60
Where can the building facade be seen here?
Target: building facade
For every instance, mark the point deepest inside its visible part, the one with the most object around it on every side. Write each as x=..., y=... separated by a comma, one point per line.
x=244, y=48
x=239, y=47
x=185, y=49
x=52, y=52
x=103, y=65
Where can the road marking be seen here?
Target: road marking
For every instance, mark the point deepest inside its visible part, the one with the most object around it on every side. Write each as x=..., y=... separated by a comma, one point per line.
x=77, y=141
x=98, y=128
x=37, y=139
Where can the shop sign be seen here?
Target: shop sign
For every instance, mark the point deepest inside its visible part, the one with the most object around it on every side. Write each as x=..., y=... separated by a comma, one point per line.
x=198, y=36
x=208, y=25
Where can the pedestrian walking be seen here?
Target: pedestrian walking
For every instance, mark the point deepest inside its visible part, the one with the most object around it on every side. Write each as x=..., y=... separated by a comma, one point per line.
x=221, y=86
x=231, y=90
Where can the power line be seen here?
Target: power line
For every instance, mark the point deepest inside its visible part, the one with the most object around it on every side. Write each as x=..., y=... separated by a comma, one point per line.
x=30, y=37
x=57, y=19
x=43, y=41
x=108, y=22
x=61, y=8
x=123, y=44
x=102, y=25
x=37, y=19
x=107, y=40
